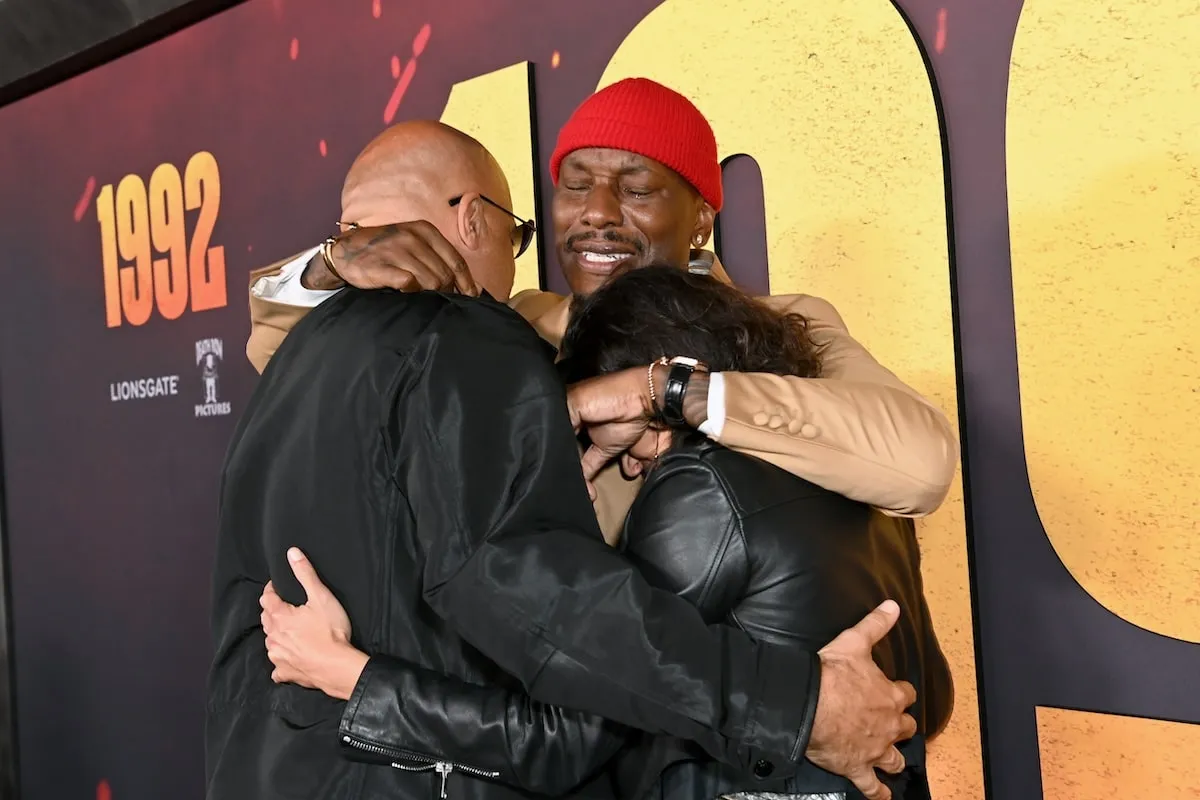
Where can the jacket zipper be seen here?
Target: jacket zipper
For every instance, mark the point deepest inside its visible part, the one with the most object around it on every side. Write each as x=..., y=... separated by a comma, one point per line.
x=423, y=762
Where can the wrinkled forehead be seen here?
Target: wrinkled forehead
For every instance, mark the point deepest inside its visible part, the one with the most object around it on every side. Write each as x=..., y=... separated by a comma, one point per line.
x=609, y=161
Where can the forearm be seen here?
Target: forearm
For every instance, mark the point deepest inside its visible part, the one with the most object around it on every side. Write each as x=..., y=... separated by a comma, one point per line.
x=873, y=443
x=318, y=277
x=648, y=661
x=400, y=707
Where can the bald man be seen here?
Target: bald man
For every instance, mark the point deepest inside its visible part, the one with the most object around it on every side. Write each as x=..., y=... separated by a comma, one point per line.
x=416, y=167
x=418, y=448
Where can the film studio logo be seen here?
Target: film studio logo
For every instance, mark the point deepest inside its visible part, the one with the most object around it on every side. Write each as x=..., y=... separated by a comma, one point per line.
x=209, y=353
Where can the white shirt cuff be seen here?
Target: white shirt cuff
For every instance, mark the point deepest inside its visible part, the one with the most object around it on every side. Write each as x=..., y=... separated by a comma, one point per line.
x=286, y=288
x=715, y=423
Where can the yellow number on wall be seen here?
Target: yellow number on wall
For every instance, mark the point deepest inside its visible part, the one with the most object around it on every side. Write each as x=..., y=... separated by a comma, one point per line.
x=1104, y=193
x=492, y=108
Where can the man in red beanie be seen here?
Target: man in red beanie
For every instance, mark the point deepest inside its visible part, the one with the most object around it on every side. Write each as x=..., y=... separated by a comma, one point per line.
x=637, y=182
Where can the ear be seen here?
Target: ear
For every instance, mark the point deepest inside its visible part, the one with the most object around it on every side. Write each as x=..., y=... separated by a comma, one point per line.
x=471, y=222
x=630, y=466
x=702, y=229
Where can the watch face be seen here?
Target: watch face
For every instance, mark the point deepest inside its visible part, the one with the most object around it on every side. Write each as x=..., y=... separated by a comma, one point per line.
x=687, y=362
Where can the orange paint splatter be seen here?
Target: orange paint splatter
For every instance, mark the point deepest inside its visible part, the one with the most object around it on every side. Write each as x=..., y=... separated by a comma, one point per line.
x=410, y=69
x=393, y=105
x=323, y=148
x=103, y=792
x=294, y=51
x=422, y=39
x=939, y=43
x=395, y=66
x=554, y=59
x=376, y=9
x=85, y=199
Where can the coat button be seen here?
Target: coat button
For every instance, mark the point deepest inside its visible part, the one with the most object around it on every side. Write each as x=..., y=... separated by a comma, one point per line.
x=775, y=422
x=794, y=426
x=760, y=419
x=763, y=768
x=809, y=431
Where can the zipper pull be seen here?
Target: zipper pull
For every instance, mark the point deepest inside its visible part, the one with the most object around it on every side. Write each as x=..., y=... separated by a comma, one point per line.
x=443, y=768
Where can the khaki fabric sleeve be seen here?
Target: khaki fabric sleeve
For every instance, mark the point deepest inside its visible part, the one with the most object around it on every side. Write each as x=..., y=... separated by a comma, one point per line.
x=269, y=321
x=547, y=312
x=858, y=430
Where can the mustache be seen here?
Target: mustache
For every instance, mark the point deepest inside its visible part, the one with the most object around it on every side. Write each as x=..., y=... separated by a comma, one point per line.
x=607, y=236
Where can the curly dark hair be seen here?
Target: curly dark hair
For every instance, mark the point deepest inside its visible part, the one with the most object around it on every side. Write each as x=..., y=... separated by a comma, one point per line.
x=659, y=310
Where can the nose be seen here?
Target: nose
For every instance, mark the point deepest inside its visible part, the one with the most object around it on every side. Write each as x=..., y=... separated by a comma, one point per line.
x=601, y=207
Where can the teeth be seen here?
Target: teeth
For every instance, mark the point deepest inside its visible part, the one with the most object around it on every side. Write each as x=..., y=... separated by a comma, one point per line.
x=605, y=257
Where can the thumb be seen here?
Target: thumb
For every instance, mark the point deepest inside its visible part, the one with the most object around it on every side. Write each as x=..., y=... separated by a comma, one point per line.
x=874, y=626
x=303, y=569
x=869, y=630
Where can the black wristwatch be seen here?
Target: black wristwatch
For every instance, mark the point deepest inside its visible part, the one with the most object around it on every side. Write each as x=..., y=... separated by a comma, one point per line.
x=678, y=378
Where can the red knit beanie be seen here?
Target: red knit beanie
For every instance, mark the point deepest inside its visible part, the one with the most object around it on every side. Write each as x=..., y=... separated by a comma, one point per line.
x=649, y=119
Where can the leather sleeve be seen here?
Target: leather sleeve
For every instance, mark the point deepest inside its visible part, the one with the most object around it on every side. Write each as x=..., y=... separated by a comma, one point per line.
x=682, y=534
x=514, y=560
x=536, y=747
x=859, y=430
x=270, y=322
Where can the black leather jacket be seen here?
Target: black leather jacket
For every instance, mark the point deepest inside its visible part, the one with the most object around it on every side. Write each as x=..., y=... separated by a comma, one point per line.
x=418, y=448
x=750, y=546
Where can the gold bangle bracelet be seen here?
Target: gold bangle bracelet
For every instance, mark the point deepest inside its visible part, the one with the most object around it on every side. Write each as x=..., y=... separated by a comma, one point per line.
x=327, y=255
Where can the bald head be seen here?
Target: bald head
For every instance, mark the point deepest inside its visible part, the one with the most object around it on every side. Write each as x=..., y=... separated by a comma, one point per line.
x=412, y=169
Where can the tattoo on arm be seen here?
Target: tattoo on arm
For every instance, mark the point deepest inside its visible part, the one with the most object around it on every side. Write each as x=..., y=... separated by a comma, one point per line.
x=346, y=251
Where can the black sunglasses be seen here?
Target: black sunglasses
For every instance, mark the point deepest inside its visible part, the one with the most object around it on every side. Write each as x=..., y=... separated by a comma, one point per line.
x=522, y=234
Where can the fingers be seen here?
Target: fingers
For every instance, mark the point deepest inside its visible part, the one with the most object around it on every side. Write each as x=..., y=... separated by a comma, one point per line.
x=892, y=761
x=419, y=268
x=573, y=411
x=908, y=728
x=449, y=258
x=270, y=600
x=615, y=397
x=305, y=573
x=906, y=695
x=407, y=257
x=594, y=459
x=869, y=784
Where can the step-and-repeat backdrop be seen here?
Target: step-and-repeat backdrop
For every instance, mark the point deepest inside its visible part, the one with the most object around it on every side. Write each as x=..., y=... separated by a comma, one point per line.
x=1003, y=202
